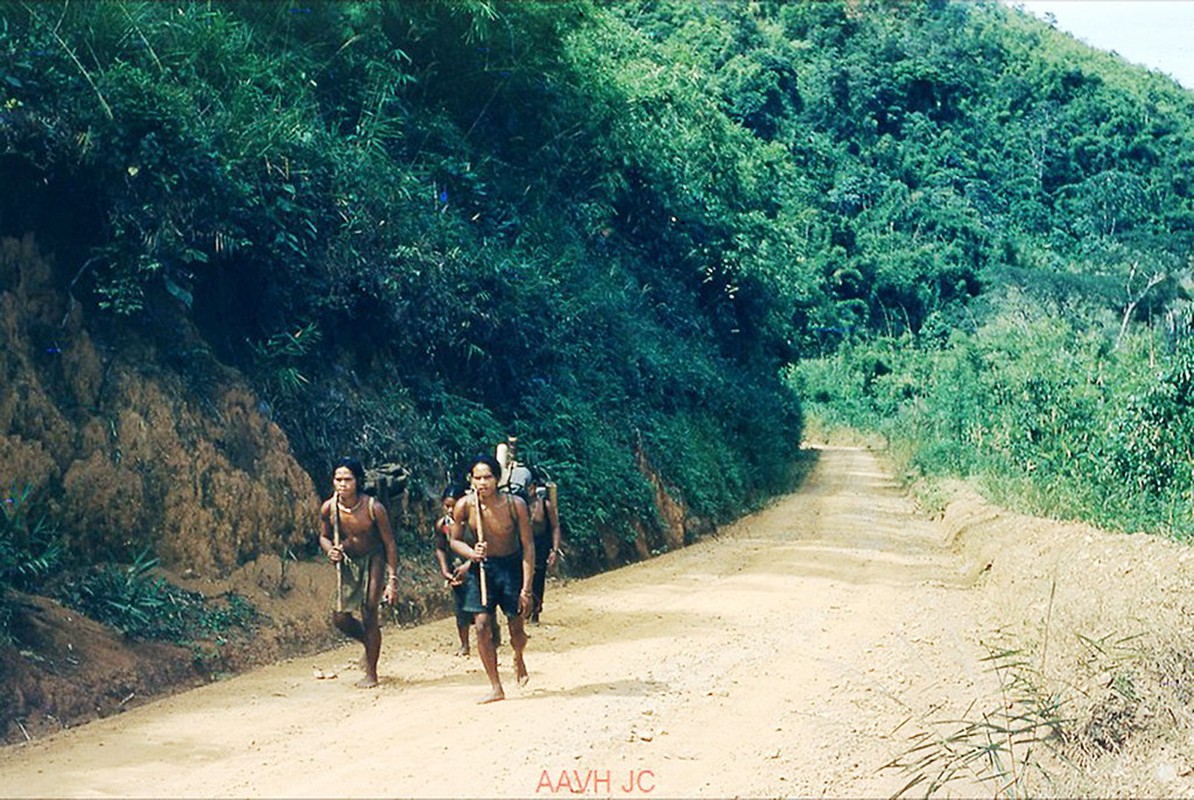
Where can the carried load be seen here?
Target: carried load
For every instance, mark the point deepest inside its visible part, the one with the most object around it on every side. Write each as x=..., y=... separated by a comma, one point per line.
x=506, y=454
x=516, y=476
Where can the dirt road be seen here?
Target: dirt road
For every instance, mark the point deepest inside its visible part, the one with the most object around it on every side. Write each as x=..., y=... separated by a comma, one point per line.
x=779, y=659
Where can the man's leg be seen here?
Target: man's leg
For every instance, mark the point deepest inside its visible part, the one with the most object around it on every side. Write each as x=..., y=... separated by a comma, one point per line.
x=371, y=622
x=462, y=631
x=372, y=640
x=464, y=620
x=488, y=653
x=350, y=626
x=518, y=640
x=539, y=580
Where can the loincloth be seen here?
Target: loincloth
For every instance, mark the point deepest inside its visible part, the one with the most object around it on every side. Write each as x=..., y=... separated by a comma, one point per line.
x=356, y=577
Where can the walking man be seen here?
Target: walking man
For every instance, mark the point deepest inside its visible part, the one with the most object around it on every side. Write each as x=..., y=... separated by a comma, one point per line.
x=355, y=533
x=545, y=528
x=503, y=565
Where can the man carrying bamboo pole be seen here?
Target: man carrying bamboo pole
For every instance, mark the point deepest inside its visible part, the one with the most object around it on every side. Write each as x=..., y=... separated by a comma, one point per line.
x=504, y=565
x=355, y=533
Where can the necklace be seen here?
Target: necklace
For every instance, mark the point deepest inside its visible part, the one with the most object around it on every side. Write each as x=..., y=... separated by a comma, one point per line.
x=348, y=510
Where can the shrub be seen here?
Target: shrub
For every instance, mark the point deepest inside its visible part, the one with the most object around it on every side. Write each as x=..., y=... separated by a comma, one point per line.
x=30, y=549
x=143, y=606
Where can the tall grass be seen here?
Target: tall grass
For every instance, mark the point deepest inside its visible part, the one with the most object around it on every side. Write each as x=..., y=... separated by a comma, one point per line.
x=1045, y=412
x=997, y=745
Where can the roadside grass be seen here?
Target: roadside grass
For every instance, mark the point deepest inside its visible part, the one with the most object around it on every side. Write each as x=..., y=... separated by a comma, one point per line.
x=1047, y=727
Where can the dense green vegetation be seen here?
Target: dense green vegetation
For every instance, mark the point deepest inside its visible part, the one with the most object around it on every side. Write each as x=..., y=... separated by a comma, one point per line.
x=610, y=229
x=130, y=598
x=29, y=552
x=141, y=605
x=420, y=226
x=1052, y=184
x=1039, y=405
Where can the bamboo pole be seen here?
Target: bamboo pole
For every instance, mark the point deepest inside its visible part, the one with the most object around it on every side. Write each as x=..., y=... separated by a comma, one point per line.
x=336, y=544
x=481, y=540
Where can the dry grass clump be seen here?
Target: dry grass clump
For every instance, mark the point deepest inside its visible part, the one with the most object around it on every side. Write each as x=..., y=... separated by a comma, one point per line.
x=1047, y=733
x=1001, y=746
x=1093, y=663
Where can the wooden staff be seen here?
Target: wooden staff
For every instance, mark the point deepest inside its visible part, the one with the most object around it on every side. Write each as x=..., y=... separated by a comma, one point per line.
x=481, y=540
x=336, y=543
x=553, y=497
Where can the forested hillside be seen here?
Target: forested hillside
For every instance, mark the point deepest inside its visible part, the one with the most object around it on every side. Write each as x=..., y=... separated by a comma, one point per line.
x=1018, y=224
x=638, y=235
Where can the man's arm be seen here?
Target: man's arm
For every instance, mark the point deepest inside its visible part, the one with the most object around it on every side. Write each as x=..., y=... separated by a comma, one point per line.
x=553, y=517
x=528, y=553
x=441, y=552
x=326, y=543
x=387, y=539
x=456, y=533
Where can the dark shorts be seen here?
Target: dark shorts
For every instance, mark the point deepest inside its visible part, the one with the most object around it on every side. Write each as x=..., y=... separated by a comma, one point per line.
x=503, y=583
x=542, y=550
x=463, y=618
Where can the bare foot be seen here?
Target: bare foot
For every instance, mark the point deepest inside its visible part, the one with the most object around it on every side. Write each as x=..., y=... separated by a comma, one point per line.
x=366, y=682
x=462, y=651
x=492, y=697
x=520, y=669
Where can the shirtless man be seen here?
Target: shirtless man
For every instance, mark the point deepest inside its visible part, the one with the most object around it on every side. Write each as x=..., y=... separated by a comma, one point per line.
x=505, y=560
x=545, y=528
x=366, y=554
x=454, y=570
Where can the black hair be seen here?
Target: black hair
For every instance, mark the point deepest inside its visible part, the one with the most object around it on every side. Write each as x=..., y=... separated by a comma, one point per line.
x=451, y=490
x=488, y=461
x=355, y=467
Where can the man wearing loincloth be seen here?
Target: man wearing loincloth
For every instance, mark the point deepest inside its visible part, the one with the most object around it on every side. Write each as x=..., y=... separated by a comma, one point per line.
x=367, y=559
x=503, y=557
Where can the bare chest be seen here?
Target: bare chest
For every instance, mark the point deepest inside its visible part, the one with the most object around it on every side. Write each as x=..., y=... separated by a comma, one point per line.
x=357, y=528
x=496, y=521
